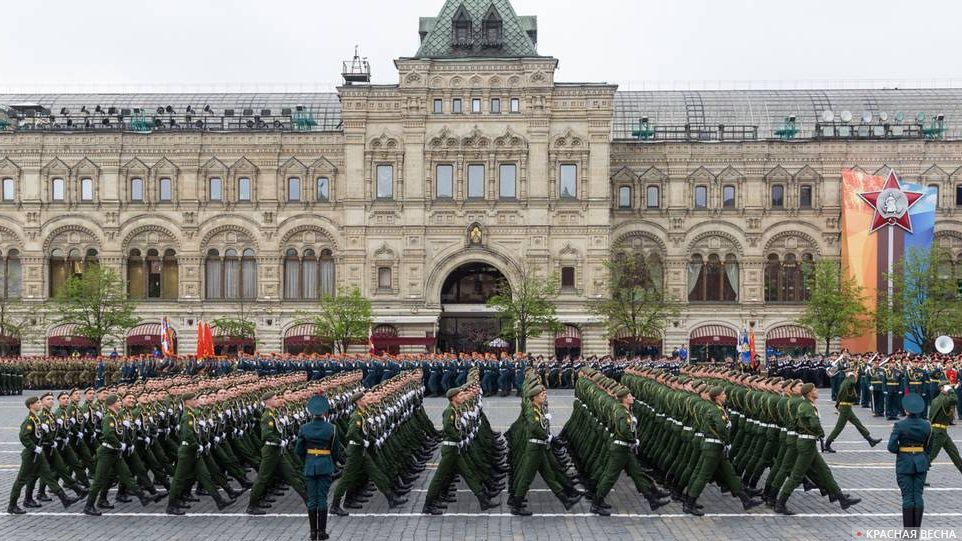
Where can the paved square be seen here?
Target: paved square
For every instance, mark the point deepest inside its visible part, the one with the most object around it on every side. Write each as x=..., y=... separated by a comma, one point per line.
x=864, y=472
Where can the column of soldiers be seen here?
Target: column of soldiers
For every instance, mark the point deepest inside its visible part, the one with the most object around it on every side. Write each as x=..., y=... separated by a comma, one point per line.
x=387, y=441
x=533, y=450
x=11, y=377
x=470, y=448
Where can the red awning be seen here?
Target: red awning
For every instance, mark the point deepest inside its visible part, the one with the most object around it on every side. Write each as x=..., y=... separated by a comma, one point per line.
x=145, y=334
x=714, y=335
x=568, y=337
x=302, y=334
x=624, y=338
x=67, y=336
x=384, y=342
x=790, y=336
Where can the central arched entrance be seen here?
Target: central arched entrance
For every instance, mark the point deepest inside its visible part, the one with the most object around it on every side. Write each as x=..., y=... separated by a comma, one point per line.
x=467, y=324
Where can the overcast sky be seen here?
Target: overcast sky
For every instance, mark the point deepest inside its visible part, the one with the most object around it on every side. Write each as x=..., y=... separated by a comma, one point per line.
x=261, y=45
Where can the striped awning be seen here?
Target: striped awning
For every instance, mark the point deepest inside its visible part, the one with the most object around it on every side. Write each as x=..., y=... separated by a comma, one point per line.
x=305, y=330
x=714, y=335
x=68, y=335
x=789, y=336
x=568, y=337
x=145, y=329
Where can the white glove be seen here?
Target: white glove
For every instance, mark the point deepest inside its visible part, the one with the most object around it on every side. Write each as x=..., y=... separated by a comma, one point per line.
x=123, y=447
x=216, y=439
x=207, y=447
x=147, y=440
x=126, y=423
x=60, y=422
x=138, y=422
x=38, y=449
x=45, y=427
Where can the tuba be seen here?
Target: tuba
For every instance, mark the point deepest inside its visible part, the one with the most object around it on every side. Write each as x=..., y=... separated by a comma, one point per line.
x=835, y=366
x=944, y=344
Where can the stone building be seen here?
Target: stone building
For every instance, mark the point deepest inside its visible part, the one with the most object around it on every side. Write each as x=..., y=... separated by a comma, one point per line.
x=476, y=166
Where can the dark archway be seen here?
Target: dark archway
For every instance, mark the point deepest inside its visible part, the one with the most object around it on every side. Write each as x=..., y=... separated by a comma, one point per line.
x=465, y=326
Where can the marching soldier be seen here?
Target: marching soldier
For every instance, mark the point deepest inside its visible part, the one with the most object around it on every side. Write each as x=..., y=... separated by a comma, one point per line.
x=845, y=400
x=941, y=414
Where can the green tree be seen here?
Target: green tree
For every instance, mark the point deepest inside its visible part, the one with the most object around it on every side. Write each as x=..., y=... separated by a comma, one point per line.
x=526, y=310
x=342, y=318
x=636, y=307
x=836, y=304
x=97, y=303
x=925, y=301
x=238, y=325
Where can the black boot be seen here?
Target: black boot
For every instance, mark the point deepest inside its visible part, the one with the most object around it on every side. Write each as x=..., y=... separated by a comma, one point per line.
x=488, y=503
x=919, y=511
x=827, y=447
x=431, y=509
x=748, y=502
x=338, y=510
x=517, y=507
x=91, y=510
x=254, y=509
x=873, y=441
x=655, y=502
x=103, y=503
x=144, y=498
x=847, y=501
x=322, y=525
x=42, y=496
x=14, y=509
x=780, y=507
x=173, y=507
x=65, y=500
x=908, y=517
x=312, y=518
x=220, y=501
x=598, y=507
x=690, y=506
x=30, y=503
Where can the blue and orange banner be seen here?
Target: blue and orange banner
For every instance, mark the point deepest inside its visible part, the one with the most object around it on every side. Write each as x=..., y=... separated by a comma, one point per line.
x=882, y=218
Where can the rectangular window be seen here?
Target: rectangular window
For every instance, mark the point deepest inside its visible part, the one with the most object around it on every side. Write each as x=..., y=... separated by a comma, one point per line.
x=137, y=189
x=166, y=190
x=515, y=105
x=293, y=189
x=384, y=278
x=728, y=197
x=507, y=181
x=438, y=106
x=216, y=189
x=475, y=105
x=935, y=189
x=385, y=181
x=475, y=181
x=651, y=197
x=624, y=197
x=58, y=189
x=456, y=105
x=958, y=195
x=323, y=189
x=244, y=189
x=569, y=181
x=86, y=189
x=805, y=196
x=778, y=196
x=701, y=197
x=444, y=181
x=567, y=277
x=8, y=189
x=496, y=106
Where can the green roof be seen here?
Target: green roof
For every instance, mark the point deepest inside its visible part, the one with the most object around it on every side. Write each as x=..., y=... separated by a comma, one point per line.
x=518, y=34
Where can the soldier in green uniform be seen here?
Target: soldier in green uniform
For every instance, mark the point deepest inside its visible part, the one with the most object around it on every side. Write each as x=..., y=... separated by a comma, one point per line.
x=845, y=399
x=272, y=462
x=109, y=461
x=910, y=441
x=318, y=448
x=33, y=463
x=941, y=413
x=190, y=466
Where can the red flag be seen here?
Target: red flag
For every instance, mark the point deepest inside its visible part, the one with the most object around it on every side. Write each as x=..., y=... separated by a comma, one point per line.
x=208, y=340
x=753, y=363
x=201, y=349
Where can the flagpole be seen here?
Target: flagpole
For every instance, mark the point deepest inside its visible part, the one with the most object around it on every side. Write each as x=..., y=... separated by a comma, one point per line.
x=889, y=285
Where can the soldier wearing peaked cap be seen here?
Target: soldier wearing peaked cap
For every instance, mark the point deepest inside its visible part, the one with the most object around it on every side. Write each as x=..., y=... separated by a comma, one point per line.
x=910, y=441
x=318, y=449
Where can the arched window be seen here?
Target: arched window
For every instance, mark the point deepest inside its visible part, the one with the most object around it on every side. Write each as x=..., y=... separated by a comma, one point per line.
x=701, y=197
x=9, y=190
x=323, y=189
x=651, y=197
x=214, y=275
x=136, y=284
x=786, y=277
x=57, y=187
x=232, y=274
x=384, y=278
x=462, y=29
x=294, y=189
x=58, y=271
x=244, y=189
x=728, y=196
x=166, y=190
x=328, y=284
x=86, y=189
x=249, y=274
x=137, y=189
x=714, y=279
x=778, y=196
x=292, y=275
x=624, y=197
x=12, y=277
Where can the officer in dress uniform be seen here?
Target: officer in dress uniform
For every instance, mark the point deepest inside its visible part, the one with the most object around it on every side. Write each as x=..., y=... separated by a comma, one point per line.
x=910, y=441
x=318, y=448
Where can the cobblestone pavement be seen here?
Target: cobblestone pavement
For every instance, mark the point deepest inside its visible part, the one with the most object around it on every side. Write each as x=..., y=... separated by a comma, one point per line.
x=862, y=471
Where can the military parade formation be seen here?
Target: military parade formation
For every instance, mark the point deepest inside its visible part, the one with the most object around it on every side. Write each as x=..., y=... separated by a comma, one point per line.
x=178, y=430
